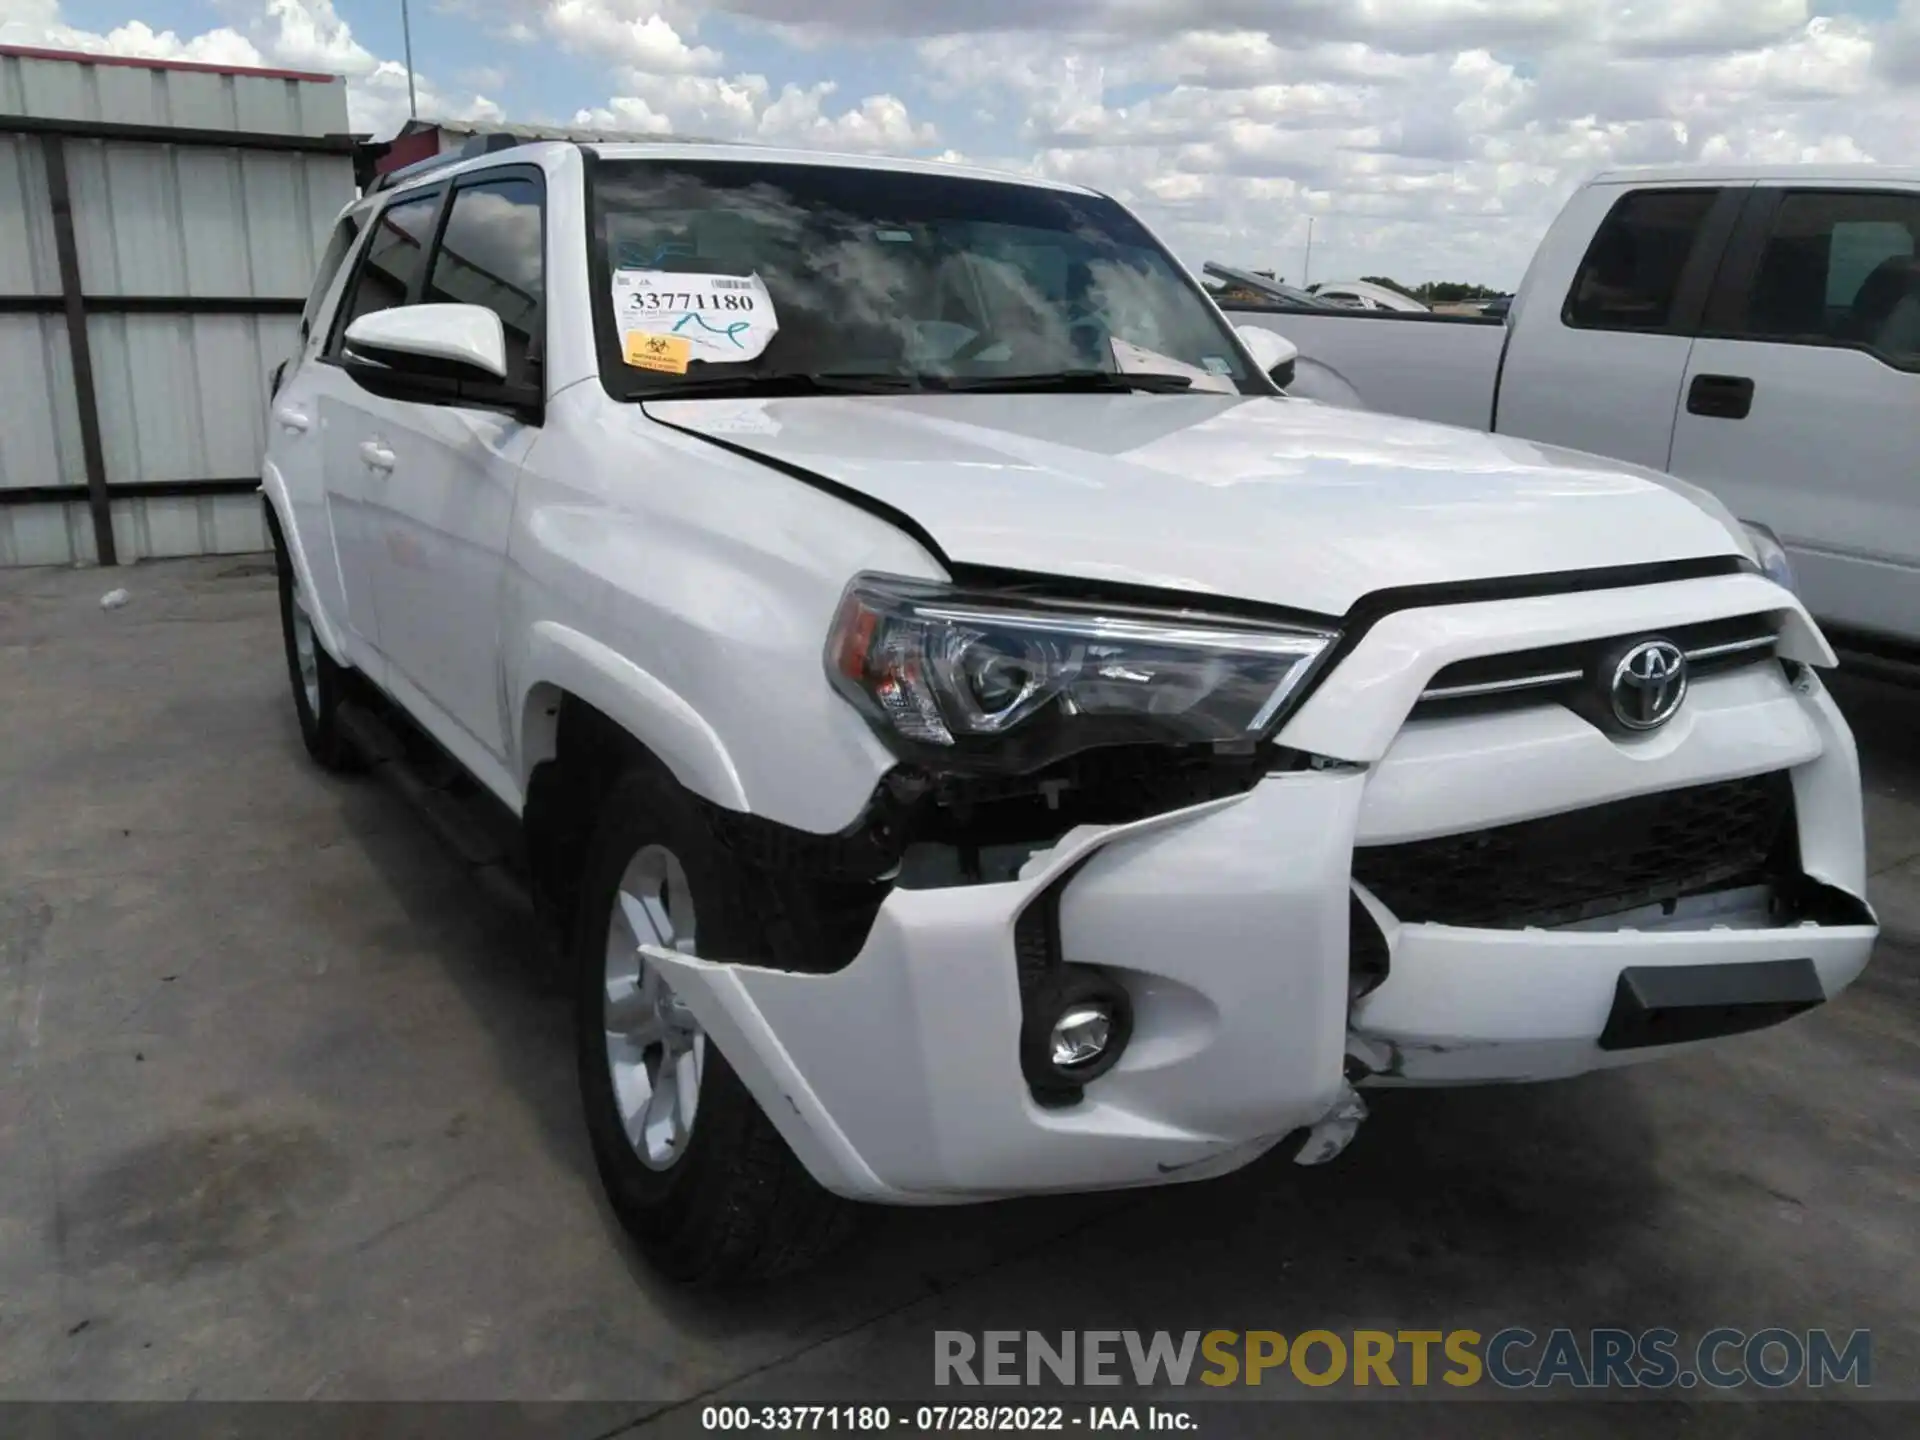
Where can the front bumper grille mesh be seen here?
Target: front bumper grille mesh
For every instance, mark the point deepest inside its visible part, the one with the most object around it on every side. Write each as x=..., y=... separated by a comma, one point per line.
x=1585, y=863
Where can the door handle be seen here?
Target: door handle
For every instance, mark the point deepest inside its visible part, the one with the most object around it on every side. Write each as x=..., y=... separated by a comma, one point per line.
x=1726, y=397
x=293, y=420
x=377, y=456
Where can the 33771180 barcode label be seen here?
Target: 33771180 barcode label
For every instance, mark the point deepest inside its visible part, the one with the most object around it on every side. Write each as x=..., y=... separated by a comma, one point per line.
x=723, y=319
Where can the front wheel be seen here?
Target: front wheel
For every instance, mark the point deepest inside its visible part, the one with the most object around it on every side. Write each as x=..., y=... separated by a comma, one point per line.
x=695, y=1171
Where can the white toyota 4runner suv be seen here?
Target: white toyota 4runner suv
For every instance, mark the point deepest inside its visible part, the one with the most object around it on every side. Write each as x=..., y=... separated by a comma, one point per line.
x=975, y=734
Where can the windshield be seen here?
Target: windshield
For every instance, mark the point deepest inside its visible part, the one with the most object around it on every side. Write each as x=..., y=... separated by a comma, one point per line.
x=708, y=272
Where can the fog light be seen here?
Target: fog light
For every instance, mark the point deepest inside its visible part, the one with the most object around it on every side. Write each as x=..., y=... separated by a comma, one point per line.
x=1081, y=1036
x=1077, y=1023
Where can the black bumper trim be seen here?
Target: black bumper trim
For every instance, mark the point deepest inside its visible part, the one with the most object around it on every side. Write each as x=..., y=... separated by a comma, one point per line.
x=1672, y=1004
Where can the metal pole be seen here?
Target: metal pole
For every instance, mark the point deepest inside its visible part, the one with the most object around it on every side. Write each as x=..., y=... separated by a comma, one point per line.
x=79, y=347
x=406, y=28
x=1307, y=280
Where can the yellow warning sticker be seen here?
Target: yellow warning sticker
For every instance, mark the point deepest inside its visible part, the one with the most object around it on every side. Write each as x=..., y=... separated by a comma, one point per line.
x=668, y=353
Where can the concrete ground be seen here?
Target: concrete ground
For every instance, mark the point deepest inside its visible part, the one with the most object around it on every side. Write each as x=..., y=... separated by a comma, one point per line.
x=286, y=1112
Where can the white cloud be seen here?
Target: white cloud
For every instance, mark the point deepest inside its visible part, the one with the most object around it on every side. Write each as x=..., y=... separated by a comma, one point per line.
x=704, y=105
x=1426, y=139
x=747, y=107
x=633, y=35
x=1422, y=154
x=310, y=35
x=1695, y=27
x=878, y=123
x=38, y=23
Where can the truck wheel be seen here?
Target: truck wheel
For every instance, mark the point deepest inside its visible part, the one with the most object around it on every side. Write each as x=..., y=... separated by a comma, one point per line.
x=695, y=1171
x=318, y=683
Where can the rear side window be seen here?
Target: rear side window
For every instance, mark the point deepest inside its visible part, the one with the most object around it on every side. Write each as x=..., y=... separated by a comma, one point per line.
x=492, y=254
x=1839, y=268
x=339, y=246
x=392, y=261
x=1632, y=270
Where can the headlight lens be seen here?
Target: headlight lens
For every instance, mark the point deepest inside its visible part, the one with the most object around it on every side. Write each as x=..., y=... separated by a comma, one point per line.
x=1022, y=682
x=1771, y=554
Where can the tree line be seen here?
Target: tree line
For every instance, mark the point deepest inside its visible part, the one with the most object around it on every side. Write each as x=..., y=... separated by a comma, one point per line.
x=1443, y=292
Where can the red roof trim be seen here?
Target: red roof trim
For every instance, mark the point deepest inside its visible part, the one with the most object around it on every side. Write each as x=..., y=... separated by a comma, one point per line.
x=140, y=62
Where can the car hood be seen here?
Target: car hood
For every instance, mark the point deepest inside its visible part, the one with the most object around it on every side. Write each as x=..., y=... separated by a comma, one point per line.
x=1274, y=500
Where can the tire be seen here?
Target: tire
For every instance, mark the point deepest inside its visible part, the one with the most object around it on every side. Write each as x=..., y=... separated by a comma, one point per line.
x=319, y=683
x=722, y=1200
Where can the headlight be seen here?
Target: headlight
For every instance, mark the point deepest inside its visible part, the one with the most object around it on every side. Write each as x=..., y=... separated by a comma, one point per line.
x=1771, y=554
x=1017, y=682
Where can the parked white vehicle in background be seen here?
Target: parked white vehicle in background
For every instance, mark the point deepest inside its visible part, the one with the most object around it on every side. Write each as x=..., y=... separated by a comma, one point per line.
x=973, y=735
x=1755, y=330
x=1365, y=295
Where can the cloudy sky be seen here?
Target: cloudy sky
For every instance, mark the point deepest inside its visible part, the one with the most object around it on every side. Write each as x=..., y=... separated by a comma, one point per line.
x=1428, y=139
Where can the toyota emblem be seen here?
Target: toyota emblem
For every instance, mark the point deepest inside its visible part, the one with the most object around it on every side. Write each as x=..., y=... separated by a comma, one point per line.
x=1649, y=684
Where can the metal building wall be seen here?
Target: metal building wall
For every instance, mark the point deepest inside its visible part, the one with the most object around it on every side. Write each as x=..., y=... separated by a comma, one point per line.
x=201, y=200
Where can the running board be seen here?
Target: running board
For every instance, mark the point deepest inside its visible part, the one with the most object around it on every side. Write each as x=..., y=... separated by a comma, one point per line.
x=473, y=826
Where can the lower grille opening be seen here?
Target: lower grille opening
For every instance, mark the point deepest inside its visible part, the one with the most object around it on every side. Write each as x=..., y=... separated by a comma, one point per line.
x=1590, y=863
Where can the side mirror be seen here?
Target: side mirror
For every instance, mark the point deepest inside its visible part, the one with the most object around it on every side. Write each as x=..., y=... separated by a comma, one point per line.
x=438, y=342
x=1270, y=352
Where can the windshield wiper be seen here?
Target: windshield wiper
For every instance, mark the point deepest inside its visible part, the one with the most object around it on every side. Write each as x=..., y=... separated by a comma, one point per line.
x=1062, y=381
x=784, y=383
x=775, y=384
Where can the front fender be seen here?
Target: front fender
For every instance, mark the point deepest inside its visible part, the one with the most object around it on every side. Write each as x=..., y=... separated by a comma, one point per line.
x=563, y=659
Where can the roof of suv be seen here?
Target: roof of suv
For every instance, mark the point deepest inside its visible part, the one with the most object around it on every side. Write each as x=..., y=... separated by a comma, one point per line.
x=724, y=150
x=1805, y=172
x=715, y=150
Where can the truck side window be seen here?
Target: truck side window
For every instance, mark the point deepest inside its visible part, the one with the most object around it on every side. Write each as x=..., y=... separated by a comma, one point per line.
x=1632, y=270
x=1839, y=268
x=339, y=246
x=392, y=260
x=491, y=254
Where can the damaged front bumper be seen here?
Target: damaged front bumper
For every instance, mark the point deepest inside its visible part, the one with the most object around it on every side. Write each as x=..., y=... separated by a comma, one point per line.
x=899, y=1078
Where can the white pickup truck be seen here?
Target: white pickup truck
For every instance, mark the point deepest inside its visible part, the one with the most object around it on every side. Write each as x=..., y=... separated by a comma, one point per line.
x=1753, y=330
x=973, y=734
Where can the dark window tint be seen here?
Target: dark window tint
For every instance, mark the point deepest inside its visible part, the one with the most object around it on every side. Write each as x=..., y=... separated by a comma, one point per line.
x=1632, y=269
x=393, y=258
x=338, y=248
x=1839, y=268
x=491, y=255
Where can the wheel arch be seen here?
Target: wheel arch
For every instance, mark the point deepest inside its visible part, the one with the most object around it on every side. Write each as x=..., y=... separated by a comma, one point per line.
x=284, y=532
x=566, y=668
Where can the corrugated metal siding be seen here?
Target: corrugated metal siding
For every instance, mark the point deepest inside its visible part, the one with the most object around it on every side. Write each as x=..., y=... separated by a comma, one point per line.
x=181, y=398
x=185, y=397
x=28, y=264
x=162, y=220
x=39, y=422
x=46, y=535
x=189, y=99
x=190, y=525
x=62, y=534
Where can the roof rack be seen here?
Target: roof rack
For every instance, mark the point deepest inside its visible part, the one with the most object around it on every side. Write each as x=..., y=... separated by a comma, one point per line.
x=476, y=146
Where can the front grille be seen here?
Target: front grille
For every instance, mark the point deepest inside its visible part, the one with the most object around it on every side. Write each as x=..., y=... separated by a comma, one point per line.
x=1552, y=673
x=1586, y=863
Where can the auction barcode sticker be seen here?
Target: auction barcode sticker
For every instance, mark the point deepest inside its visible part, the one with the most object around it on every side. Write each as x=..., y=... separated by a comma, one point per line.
x=724, y=319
